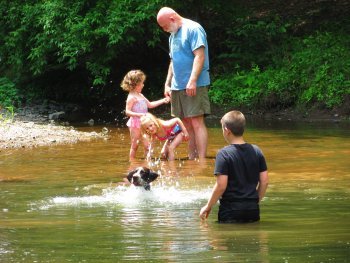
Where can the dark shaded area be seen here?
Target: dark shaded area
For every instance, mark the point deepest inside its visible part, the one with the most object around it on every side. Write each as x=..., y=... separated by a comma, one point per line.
x=234, y=36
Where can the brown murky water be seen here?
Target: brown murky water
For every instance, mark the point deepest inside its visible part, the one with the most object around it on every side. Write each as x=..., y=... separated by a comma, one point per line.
x=65, y=203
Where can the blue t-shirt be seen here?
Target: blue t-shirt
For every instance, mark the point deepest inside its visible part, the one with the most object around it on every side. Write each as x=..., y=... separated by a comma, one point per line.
x=188, y=38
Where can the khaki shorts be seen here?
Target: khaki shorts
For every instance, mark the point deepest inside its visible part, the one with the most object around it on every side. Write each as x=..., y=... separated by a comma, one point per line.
x=184, y=106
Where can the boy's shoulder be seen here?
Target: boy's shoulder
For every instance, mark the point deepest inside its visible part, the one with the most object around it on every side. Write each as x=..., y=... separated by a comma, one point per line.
x=237, y=147
x=234, y=146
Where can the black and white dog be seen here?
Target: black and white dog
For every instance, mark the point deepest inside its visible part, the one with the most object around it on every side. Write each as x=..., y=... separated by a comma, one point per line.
x=142, y=176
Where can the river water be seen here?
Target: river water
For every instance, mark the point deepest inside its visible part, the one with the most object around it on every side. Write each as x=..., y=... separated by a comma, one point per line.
x=67, y=203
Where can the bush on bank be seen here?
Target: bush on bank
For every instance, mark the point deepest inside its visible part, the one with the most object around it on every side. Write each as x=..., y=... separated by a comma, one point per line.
x=315, y=69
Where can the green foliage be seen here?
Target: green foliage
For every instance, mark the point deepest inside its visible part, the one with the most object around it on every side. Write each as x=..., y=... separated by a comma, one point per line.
x=8, y=93
x=253, y=40
x=58, y=34
x=79, y=50
x=322, y=63
x=316, y=69
x=7, y=115
x=240, y=88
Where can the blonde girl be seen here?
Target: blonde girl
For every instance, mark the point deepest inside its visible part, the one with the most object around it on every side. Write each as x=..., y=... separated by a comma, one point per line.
x=172, y=131
x=136, y=106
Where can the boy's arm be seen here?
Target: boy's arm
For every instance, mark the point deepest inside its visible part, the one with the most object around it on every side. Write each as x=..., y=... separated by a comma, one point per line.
x=218, y=189
x=263, y=183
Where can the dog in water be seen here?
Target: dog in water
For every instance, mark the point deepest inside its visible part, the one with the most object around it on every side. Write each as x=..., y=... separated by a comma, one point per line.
x=142, y=176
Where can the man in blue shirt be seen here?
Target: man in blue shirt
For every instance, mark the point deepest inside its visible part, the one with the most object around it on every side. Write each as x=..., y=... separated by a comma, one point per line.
x=188, y=78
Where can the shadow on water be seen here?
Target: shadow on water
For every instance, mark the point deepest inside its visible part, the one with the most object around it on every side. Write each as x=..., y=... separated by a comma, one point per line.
x=68, y=203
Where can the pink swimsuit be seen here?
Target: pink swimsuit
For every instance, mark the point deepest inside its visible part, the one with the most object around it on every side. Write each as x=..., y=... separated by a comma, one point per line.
x=140, y=106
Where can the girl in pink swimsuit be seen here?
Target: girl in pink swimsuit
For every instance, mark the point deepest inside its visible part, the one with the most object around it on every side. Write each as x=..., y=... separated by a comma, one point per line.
x=136, y=106
x=172, y=131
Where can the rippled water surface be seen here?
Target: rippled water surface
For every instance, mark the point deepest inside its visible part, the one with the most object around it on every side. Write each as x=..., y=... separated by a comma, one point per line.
x=68, y=203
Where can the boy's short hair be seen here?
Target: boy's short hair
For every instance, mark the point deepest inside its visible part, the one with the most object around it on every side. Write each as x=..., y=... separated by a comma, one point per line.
x=234, y=121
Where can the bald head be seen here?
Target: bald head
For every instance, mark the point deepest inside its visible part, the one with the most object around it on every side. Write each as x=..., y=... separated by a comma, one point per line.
x=168, y=19
x=165, y=12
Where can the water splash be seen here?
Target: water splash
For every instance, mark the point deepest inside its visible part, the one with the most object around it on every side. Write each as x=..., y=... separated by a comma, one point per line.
x=130, y=196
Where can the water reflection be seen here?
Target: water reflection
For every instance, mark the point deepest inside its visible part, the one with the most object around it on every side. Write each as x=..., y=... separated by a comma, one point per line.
x=67, y=203
x=244, y=242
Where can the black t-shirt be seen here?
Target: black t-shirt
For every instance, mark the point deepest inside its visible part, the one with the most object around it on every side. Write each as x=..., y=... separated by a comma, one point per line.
x=242, y=163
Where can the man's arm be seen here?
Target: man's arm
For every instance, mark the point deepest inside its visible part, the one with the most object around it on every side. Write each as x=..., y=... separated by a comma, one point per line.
x=198, y=62
x=167, y=86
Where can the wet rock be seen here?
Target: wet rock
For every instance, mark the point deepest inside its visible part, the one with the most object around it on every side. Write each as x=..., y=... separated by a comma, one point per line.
x=46, y=111
x=91, y=122
x=57, y=115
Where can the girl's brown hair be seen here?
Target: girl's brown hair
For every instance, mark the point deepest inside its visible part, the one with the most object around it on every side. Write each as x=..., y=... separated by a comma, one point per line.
x=131, y=79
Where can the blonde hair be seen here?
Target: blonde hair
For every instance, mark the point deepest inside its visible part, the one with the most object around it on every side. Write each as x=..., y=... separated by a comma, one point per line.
x=147, y=118
x=131, y=79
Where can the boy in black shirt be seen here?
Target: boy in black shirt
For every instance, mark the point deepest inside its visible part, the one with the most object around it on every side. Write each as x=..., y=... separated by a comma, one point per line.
x=241, y=175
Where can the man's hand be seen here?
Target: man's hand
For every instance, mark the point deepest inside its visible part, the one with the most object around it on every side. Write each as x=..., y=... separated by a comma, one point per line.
x=191, y=88
x=167, y=91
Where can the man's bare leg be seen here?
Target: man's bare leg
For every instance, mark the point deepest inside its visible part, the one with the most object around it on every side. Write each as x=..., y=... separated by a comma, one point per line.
x=197, y=145
x=192, y=148
x=201, y=136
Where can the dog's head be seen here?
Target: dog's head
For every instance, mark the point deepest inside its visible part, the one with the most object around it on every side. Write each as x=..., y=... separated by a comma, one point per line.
x=142, y=176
